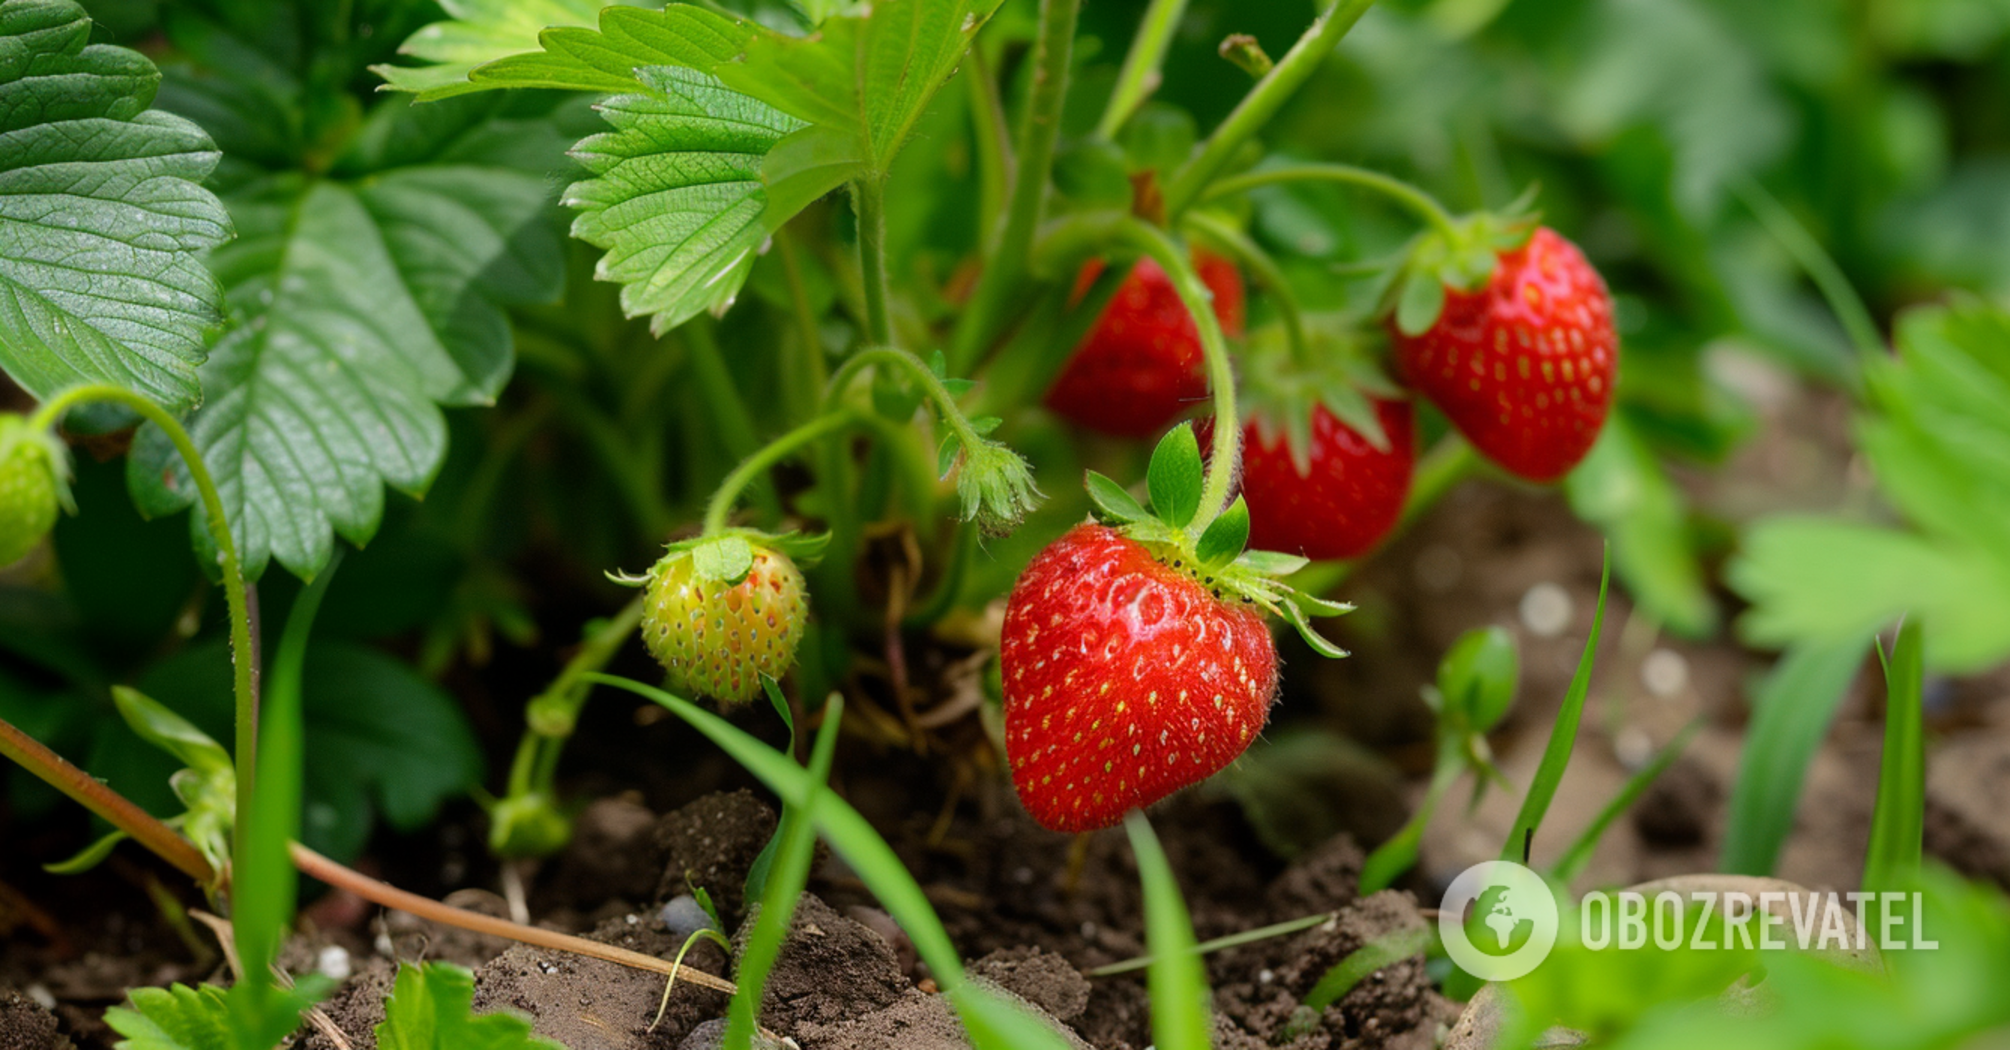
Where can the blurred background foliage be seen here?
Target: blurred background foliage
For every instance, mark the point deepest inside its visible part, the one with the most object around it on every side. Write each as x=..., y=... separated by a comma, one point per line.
x=1714, y=158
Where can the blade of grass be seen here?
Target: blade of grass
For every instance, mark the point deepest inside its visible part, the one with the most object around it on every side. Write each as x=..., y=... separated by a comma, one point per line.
x=1345, y=974
x=1792, y=710
x=789, y=872
x=1898, y=820
x=1572, y=863
x=1562, y=737
x=1233, y=940
x=1175, y=980
x=991, y=1020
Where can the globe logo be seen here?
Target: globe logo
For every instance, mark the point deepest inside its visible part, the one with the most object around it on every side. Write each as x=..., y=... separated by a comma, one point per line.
x=1498, y=920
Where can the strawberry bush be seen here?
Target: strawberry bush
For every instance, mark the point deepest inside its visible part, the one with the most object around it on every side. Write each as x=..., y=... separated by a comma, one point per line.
x=985, y=414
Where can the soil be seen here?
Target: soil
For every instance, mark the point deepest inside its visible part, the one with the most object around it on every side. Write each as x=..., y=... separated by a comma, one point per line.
x=1281, y=838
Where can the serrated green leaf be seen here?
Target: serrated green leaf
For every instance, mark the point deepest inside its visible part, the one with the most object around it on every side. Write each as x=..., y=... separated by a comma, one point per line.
x=478, y=32
x=1225, y=536
x=497, y=44
x=102, y=215
x=1114, y=500
x=676, y=199
x=866, y=77
x=432, y=1008
x=207, y=1017
x=809, y=163
x=360, y=304
x=1174, y=477
x=1423, y=299
x=724, y=560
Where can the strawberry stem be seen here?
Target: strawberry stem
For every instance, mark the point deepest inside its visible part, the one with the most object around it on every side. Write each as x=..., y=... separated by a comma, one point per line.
x=243, y=656
x=1249, y=255
x=770, y=454
x=1417, y=201
x=1140, y=75
x=1262, y=102
x=1225, y=455
x=868, y=198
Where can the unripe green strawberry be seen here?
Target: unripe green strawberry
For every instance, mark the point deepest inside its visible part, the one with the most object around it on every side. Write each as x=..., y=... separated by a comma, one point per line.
x=722, y=614
x=31, y=486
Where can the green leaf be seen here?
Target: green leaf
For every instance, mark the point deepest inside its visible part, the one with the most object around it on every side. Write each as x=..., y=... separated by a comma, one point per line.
x=1294, y=613
x=676, y=199
x=1176, y=982
x=103, y=216
x=757, y=872
x=1359, y=964
x=1115, y=501
x=1272, y=563
x=1621, y=488
x=478, y=32
x=1898, y=820
x=628, y=40
x=1791, y=712
x=1478, y=675
x=210, y=1018
x=170, y=732
x=360, y=304
x=1562, y=737
x=1174, y=477
x=1423, y=299
x=946, y=453
x=89, y=857
x=869, y=77
x=432, y=1008
x=1225, y=536
x=726, y=559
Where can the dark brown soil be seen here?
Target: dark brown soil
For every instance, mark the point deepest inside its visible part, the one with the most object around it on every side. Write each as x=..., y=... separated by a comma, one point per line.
x=26, y=1025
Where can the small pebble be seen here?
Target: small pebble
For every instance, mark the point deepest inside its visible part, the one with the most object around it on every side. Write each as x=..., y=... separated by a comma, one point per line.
x=683, y=916
x=42, y=996
x=333, y=962
x=1633, y=747
x=1546, y=609
x=1665, y=673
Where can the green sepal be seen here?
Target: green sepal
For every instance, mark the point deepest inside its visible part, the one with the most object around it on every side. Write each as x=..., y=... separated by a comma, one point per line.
x=89, y=857
x=1478, y=675
x=1174, y=478
x=1420, y=302
x=946, y=453
x=725, y=559
x=1225, y=536
x=1295, y=615
x=1272, y=563
x=1115, y=501
x=156, y=724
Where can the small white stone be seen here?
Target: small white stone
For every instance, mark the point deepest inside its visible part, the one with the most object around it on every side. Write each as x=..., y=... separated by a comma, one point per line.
x=1546, y=609
x=1665, y=673
x=1633, y=747
x=42, y=996
x=333, y=962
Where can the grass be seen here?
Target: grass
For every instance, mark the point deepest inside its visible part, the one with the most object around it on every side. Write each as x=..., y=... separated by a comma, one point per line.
x=1898, y=820
x=1175, y=978
x=1562, y=737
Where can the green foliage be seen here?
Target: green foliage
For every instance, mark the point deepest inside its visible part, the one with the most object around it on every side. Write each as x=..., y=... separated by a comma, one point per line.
x=1574, y=859
x=1898, y=820
x=1792, y=709
x=1176, y=980
x=208, y=783
x=477, y=33
x=1478, y=676
x=1937, y=435
x=431, y=1008
x=103, y=215
x=207, y=1017
x=1621, y=488
x=1562, y=737
x=1174, y=478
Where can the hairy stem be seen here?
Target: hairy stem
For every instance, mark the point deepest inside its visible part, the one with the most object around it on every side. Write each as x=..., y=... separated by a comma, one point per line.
x=1251, y=257
x=868, y=197
x=91, y=793
x=1140, y=75
x=774, y=452
x=945, y=404
x=1224, y=458
x=729, y=409
x=1033, y=167
x=1262, y=102
x=1410, y=197
x=244, y=657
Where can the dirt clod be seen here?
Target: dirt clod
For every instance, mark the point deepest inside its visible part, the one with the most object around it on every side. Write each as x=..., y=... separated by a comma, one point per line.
x=614, y=855
x=25, y=1025
x=710, y=844
x=587, y=1004
x=1676, y=808
x=830, y=970
x=1324, y=878
x=1042, y=978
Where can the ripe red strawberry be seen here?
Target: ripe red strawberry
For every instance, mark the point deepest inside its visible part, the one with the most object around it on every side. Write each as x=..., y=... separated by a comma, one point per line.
x=1349, y=498
x=1523, y=366
x=717, y=637
x=1126, y=678
x=1141, y=366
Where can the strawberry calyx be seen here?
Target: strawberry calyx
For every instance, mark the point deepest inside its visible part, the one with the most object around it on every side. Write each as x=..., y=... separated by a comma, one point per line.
x=1211, y=554
x=1461, y=257
x=726, y=556
x=1340, y=372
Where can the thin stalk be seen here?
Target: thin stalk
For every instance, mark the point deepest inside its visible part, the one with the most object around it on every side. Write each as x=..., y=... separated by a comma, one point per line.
x=809, y=375
x=1422, y=204
x=243, y=656
x=1262, y=102
x=774, y=452
x=1251, y=257
x=314, y=865
x=728, y=408
x=998, y=285
x=994, y=147
x=931, y=386
x=1140, y=75
x=91, y=793
x=868, y=197
x=1819, y=265
x=1225, y=457
x=1233, y=940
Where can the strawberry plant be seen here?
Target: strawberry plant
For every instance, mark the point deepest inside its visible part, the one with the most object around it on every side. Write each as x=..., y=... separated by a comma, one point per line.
x=1012, y=394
